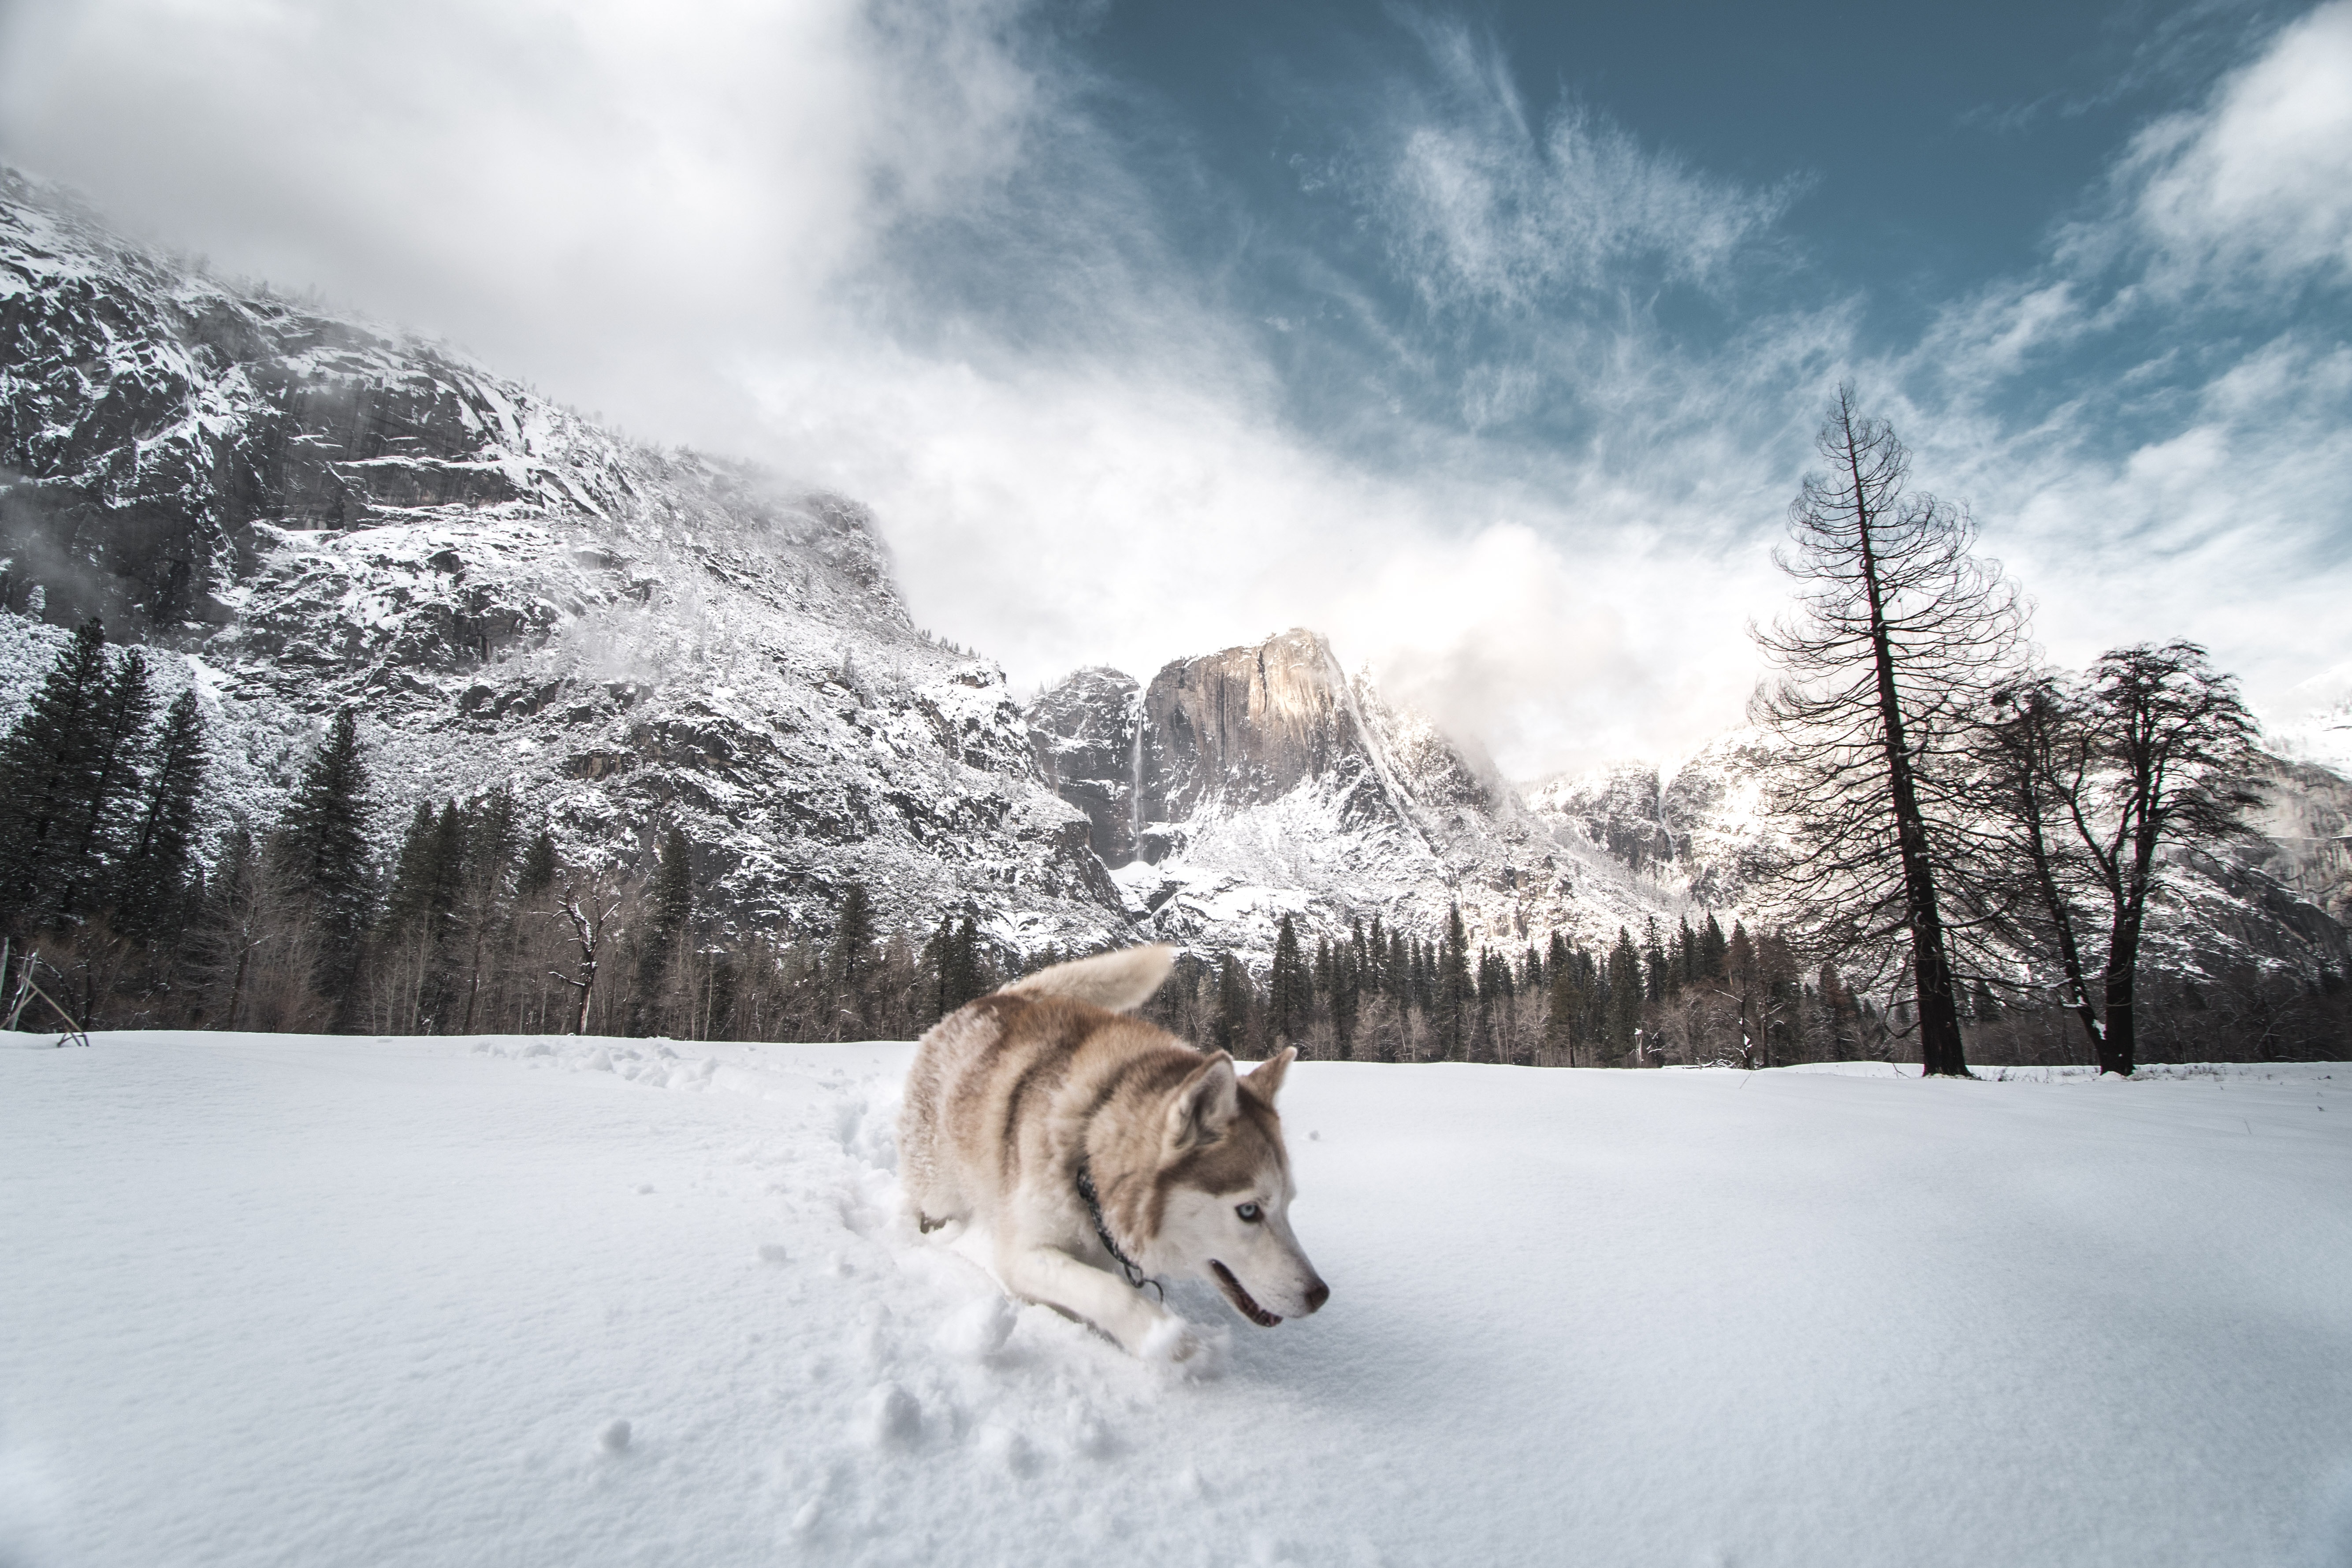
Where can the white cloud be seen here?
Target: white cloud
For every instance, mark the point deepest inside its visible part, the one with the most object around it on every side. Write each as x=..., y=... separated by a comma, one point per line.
x=2256, y=187
x=606, y=195
x=1488, y=207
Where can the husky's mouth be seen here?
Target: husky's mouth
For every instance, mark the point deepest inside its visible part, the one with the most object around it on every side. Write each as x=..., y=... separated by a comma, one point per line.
x=1243, y=1301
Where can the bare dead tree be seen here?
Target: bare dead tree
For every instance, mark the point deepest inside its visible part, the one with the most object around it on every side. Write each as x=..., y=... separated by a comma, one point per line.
x=589, y=906
x=1898, y=633
x=2152, y=749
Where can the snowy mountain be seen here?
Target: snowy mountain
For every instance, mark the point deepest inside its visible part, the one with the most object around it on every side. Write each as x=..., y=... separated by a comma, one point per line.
x=1261, y=780
x=297, y=512
x=2320, y=735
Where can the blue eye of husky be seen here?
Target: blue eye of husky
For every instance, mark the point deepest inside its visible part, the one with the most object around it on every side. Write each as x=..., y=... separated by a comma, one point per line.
x=1249, y=1213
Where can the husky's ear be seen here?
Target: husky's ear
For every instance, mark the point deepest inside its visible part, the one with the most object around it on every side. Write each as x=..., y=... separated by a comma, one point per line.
x=1205, y=1104
x=1265, y=1081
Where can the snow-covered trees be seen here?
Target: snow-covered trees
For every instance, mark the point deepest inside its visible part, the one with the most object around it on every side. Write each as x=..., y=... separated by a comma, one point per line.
x=1900, y=632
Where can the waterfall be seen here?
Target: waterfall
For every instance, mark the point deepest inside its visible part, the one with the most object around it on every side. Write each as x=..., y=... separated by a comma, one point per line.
x=1135, y=786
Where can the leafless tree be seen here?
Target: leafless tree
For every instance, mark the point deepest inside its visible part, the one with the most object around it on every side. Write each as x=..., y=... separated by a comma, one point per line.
x=2032, y=749
x=1900, y=631
x=2152, y=749
x=589, y=904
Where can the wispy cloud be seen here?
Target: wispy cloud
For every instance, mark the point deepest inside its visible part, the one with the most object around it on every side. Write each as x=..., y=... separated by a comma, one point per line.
x=2254, y=188
x=1489, y=206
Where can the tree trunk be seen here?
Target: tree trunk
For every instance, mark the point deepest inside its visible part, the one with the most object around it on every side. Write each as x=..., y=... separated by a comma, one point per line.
x=1940, y=1053
x=2116, y=1048
x=2070, y=954
x=2118, y=1052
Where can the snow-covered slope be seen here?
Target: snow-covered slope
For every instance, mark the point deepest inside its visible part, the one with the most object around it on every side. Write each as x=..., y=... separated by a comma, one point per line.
x=2277, y=903
x=1701, y=822
x=298, y=511
x=2319, y=733
x=1261, y=780
x=327, y=1302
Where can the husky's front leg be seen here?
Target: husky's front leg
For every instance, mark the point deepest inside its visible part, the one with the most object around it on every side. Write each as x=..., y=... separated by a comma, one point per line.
x=1141, y=1326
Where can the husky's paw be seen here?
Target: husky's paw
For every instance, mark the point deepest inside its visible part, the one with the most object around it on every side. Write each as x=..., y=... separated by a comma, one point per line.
x=1179, y=1345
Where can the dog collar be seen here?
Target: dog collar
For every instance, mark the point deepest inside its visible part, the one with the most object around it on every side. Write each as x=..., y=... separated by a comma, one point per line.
x=1126, y=1265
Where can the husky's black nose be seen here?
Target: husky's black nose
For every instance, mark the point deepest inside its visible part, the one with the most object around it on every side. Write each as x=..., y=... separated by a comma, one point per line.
x=1317, y=1294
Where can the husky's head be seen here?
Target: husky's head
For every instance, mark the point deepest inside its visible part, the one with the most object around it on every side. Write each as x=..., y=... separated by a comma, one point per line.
x=1222, y=1194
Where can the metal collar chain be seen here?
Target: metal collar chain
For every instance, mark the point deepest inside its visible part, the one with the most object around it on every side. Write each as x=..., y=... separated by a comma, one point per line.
x=1126, y=1265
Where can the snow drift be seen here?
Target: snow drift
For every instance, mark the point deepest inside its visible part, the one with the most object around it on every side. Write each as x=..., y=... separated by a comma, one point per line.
x=307, y=1300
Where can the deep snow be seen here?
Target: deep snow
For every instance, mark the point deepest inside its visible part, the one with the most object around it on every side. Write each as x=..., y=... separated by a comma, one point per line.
x=298, y=1301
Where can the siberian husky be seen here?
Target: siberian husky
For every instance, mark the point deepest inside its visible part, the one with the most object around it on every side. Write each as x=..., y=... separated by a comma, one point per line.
x=1100, y=1151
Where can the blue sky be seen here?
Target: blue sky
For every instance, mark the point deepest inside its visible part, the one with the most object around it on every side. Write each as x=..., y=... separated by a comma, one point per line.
x=1489, y=341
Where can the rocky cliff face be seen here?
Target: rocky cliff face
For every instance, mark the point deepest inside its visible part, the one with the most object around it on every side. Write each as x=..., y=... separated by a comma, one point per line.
x=297, y=511
x=1087, y=734
x=1243, y=785
x=1231, y=731
x=2306, y=845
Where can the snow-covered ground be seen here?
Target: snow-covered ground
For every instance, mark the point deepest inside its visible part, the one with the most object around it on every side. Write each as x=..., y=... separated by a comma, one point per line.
x=283, y=1300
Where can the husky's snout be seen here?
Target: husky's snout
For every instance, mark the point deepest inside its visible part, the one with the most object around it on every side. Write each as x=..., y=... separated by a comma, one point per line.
x=1287, y=1288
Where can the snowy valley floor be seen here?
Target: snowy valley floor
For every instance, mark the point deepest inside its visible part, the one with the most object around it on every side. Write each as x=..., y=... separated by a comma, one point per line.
x=308, y=1302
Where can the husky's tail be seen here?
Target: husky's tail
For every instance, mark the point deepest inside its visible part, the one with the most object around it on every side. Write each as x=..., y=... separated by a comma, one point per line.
x=1117, y=982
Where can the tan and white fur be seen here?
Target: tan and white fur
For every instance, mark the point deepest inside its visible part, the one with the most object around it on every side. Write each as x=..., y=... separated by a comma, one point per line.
x=1012, y=1095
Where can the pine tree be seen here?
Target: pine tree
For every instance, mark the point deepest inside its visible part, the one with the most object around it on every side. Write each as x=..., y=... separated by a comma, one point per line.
x=1235, y=999
x=1457, y=997
x=1739, y=978
x=849, y=965
x=490, y=833
x=1657, y=978
x=409, y=904
x=1349, y=963
x=152, y=886
x=1713, y=950
x=48, y=773
x=228, y=926
x=449, y=836
x=1289, y=996
x=126, y=705
x=665, y=928
x=323, y=851
x=1625, y=999
x=539, y=867
x=1559, y=1026
x=959, y=965
x=1901, y=635
x=1844, y=1017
